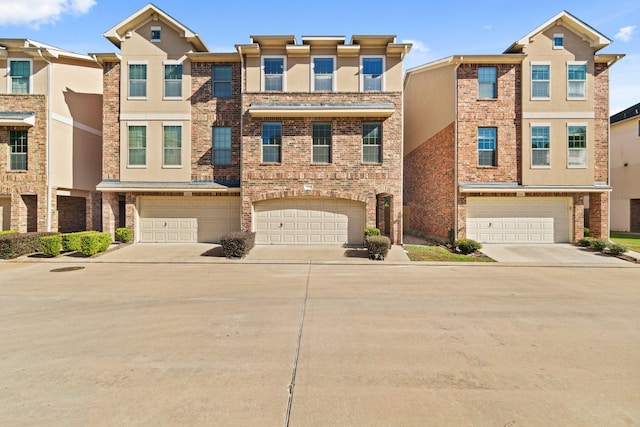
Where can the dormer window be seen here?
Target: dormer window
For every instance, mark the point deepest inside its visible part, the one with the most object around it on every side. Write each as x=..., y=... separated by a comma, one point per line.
x=558, y=41
x=155, y=34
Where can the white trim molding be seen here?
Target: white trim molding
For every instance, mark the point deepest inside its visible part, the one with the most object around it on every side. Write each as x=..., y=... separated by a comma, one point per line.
x=569, y=115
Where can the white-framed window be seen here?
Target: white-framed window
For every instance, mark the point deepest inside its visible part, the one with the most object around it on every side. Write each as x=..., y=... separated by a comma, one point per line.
x=323, y=73
x=137, y=141
x=156, y=34
x=18, y=150
x=273, y=73
x=487, y=143
x=172, y=144
x=137, y=79
x=321, y=141
x=271, y=142
x=372, y=73
x=558, y=41
x=372, y=142
x=487, y=83
x=577, y=145
x=20, y=75
x=172, y=80
x=540, y=145
x=221, y=76
x=221, y=146
x=577, y=80
x=540, y=80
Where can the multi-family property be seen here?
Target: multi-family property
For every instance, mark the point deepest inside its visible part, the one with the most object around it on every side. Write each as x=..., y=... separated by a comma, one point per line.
x=297, y=140
x=508, y=147
x=50, y=138
x=625, y=170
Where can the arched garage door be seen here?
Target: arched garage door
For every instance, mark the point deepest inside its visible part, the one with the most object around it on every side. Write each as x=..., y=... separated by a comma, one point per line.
x=322, y=221
x=519, y=219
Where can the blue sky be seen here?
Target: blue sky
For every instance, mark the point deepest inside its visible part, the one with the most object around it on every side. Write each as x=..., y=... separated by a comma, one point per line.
x=437, y=30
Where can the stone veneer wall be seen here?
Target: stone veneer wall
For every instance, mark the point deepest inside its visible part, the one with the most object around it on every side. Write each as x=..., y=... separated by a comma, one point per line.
x=346, y=177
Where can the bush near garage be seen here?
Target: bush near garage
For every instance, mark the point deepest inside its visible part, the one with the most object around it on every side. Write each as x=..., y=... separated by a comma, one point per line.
x=18, y=244
x=599, y=244
x=71, y=242
x=237, y=244
x=371, y=231
x=7, y=232
x=467, y=246
x=585, y=242
x=92, y=243
x=51, y=245
x=616, y=249
x=377, y=247
x=123, y=235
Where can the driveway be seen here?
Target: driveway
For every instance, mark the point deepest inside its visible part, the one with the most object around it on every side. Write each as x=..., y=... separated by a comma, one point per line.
x=375, y=344
x=548, y=254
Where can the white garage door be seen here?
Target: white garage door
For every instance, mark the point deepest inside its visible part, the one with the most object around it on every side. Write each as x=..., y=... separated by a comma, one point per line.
x=309, y=221
x=519, y=219
x=188, y=219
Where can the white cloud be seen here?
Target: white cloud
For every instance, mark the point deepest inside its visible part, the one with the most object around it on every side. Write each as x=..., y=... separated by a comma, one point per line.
x=418, y=54
x=626, y=33
x=39, y=12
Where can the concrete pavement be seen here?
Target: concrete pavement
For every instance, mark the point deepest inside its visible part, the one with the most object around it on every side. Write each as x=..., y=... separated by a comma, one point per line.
x=119, y=343
x=549, y=254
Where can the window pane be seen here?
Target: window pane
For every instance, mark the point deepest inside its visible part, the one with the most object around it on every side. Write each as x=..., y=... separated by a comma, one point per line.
x=273, y=66
x=577, y=76
x=271, y=141
x=222, y=81
x=577, y=89
x=138, y=71
x=172, y=145
x=20, y=68
x=372, y=74
x=173, y=80
x=18, y=149
x=539, y=81
x=221, y=146
x=323, y=74
x=487, y=146
x=486, y=82
x=577, y=145
x=540, y=89
x=138, y=80
x=540, y=146
x=222, y=89
x=273, y=83
x=371, y=142
x=372, y=65
x=137, y=145
x=322, y=142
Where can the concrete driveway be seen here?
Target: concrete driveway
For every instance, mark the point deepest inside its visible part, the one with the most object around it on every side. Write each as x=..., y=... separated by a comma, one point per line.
x=548, y=254
x=259, y=344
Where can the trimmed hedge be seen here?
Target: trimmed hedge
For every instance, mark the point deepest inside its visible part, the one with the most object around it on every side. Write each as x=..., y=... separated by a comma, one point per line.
x=18, y=244
x=237, y=244
x=123, y=235
x=467, y=246
x=371, y=231
x=7, y=232
x=51, y=245
x=72, y=241
x=92, y=243
x=377, y=247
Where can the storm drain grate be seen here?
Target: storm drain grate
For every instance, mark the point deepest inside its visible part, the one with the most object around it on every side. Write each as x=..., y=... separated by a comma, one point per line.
x=65, y=269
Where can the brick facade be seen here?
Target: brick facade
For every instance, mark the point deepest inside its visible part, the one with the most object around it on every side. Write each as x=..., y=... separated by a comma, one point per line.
x=346, y=177
x=111, y=121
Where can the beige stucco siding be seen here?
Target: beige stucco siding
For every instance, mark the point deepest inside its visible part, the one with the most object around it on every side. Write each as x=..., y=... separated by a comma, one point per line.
x=75, y=157
x=625, y=170
x=77, y=93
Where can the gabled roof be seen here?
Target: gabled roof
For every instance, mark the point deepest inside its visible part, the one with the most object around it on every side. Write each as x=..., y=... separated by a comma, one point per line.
x=629, y=113
x=152, y=13
x=37, y=49
x=595, y=38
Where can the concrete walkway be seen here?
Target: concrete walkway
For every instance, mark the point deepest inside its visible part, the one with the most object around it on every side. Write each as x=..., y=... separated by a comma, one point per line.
x=549, y=254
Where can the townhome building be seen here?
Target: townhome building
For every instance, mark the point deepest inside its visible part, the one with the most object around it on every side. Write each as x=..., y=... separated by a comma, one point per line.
x=508, y=147
x=50, y=138
x=625, y=170
x=300, y=142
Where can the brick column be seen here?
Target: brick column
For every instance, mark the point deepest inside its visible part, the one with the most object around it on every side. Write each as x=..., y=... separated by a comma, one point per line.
x=380, y=215
x=599, y=215
x=110, y=212
x=131, y=212
x=578, y=217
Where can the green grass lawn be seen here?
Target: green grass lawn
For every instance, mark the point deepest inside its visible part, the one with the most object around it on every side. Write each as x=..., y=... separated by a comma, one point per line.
x=630, y=241
x=436, y=253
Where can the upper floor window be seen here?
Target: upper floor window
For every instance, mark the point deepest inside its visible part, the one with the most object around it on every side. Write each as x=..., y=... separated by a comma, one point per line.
x=137, y=145
x=173, y=80
x=558, y=41
x=372, y=72
x=137, y=80
x=273, y=73
x=18, y=150
x=156, y=33
x=487, y=82
x=221, y=76
x=19, y=76
x=323, y=70
x=540, y=141
x=172, y=145
x=372, y=142
x=540, y=79
x=321, y=142
x=577, y=80
x=271, y=142
x=221, y=146
x=487, y=146
x=577, y=145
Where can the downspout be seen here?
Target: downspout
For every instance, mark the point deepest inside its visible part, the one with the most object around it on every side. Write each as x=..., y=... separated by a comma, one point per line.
x=48, y=140
x=455, y=186
x=242, y=84
x=401, y=237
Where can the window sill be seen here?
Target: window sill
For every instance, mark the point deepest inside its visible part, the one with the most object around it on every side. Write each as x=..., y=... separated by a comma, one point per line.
x=546, y=167
x=18, y=171
x=270, y=164
x=171, y=166
x=137, y=98
x=371, y=163
x=541, y=99
x=577, y=167
x=172, y=98
x=321, y=164
x=577, y=99
x=487, y=99
x=488, y=166
x=136, y=166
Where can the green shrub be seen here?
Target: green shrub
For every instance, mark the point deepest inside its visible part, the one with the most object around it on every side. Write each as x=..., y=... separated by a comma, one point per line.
x=377, y=247
x=7, y=232
x=17, y=244
x=51, y=245
x=598, y=244
x=467, y=246
x=616, y=249
x=587, y=232
x=585, y=242
x=71, y=242
x=371, y=231
x=92, y=243
x=237, y=244
x=123, y=235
